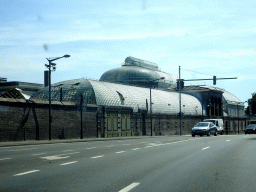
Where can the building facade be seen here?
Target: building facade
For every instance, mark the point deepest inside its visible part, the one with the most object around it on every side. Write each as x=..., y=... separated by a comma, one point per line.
x=135, y=99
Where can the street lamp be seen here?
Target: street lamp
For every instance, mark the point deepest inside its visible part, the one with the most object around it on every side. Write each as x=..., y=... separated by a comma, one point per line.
x=52, y=66
x=150, y=84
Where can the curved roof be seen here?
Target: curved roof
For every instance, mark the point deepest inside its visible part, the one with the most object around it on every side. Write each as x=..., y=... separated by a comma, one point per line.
x=140, y=63
x=228, y=97
x=140, y=73
x=135, y=97
x=111, y=94
x=138, y=76
x=70, y=90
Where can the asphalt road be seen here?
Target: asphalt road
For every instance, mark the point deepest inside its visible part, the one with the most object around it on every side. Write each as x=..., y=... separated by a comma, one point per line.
x=222, y=163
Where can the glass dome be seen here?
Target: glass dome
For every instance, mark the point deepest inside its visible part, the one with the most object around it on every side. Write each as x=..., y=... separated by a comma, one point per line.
x=139, y=73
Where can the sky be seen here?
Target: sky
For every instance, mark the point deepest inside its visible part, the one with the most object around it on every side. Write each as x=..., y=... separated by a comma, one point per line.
x=203, y=37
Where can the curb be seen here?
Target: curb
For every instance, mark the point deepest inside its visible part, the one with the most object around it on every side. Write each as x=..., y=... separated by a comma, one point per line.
x=36, y=142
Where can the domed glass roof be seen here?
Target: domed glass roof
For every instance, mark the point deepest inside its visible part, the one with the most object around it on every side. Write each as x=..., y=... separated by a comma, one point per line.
x=118, y=95
x=139, y=73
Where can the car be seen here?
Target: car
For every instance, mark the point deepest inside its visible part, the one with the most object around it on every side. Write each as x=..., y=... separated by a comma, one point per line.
x=204, y=128
x=250, y=129
x=218, y=123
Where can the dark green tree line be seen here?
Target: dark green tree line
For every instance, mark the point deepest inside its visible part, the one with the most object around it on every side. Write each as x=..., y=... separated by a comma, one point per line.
x=251, y=105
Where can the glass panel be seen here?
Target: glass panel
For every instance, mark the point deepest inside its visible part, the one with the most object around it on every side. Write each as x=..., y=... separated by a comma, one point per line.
x=135, y=97
x=71, y=91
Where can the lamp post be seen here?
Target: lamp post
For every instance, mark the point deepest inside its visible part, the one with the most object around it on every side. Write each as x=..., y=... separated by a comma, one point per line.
x=51, y=66
x=150, y=84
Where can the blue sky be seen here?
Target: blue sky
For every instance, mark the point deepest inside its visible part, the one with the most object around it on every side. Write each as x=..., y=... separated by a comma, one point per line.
x=204, y=37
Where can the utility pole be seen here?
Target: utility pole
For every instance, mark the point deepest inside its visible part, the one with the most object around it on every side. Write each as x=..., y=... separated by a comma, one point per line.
x=81, y=108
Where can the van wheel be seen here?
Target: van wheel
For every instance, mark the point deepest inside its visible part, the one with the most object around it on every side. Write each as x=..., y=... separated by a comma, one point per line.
x=209, y=133
x=216, y=133
x=193, y=135
x=221, y=132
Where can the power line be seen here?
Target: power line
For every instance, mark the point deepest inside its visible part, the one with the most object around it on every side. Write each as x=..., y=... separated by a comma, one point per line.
x=198, y=72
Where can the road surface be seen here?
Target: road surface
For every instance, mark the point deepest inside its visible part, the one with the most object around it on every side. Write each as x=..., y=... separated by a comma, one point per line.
x=222, y=163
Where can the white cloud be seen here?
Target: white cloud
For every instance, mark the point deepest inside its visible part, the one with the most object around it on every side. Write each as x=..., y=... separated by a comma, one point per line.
x=133, y=34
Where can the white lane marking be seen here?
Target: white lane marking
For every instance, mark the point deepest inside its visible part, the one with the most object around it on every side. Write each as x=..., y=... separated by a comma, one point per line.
x=110, y=146
x=72, y=162
x=135, y=149
x=4, y=159
x=60, y=156
x=24, y=173
x=228, y=140
x=23, y=149
x=54, y=157
x=154, y=144
x=70, y=153
x=91, y=148
x=206, y=148
x=120, y=152
x=68, y=150
x=129, y=187
x=97, y=157
x=39, y=154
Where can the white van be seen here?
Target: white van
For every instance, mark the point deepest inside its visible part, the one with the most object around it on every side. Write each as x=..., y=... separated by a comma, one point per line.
x=218, y=123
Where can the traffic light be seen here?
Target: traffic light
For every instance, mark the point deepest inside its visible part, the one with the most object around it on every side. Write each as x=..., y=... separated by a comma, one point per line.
x=180, y=83
x=214, y=80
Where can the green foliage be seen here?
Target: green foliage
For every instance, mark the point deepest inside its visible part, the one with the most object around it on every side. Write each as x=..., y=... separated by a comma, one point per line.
x=12, y=93
x=252, y=105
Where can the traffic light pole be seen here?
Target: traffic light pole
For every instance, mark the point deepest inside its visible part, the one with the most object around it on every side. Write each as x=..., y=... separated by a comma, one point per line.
x=181, y=81
x=180, y=98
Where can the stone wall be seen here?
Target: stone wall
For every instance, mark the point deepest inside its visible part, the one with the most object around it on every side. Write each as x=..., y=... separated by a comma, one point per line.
x=27, y=120
x=164, y=124
x=21, y=120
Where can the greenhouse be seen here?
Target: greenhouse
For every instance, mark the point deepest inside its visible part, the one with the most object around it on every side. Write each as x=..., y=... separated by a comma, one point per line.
x=118, y=95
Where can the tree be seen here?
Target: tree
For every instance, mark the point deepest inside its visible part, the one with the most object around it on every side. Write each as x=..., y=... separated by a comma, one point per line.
x=252, y=105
